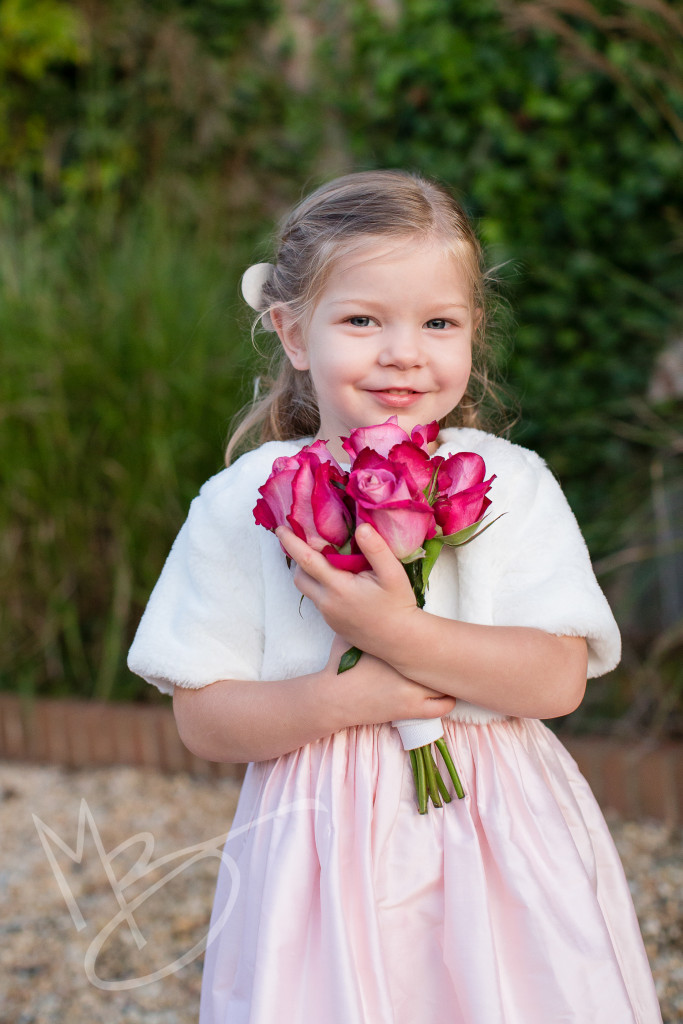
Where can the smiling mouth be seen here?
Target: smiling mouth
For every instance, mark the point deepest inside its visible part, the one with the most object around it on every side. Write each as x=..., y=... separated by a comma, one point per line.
x=398, y=391
x=396, y=398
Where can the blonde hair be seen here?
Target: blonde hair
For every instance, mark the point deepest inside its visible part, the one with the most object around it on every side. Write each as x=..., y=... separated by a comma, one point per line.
x=338, y=218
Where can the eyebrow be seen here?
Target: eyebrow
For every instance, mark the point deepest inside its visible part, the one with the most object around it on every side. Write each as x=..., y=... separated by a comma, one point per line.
x=360, y=301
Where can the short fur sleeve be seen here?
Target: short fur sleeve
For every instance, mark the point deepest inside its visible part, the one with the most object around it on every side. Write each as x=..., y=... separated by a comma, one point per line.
x=204, y=619
x=545, y=576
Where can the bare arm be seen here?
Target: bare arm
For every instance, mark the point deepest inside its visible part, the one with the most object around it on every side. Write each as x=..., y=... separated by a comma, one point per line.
x=515, y=670
x=239, y=721
x=512, y=669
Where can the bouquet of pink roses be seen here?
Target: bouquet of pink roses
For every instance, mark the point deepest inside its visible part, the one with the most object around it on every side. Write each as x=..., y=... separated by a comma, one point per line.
x=415, y=501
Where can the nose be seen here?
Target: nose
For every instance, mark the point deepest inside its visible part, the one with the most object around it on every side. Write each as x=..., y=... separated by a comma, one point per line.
x=401, y=347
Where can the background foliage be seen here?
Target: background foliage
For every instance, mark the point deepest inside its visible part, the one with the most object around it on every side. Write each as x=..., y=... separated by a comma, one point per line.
x=145, y=151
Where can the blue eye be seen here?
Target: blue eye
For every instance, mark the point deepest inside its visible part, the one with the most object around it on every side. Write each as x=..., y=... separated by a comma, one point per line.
x=437, y=325
x=359, y=321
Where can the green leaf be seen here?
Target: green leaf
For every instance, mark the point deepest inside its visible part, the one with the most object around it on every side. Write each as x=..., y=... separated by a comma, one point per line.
x=349, y=659
x=432, y=551
x=415, y=557
x=430, y=490
x=458, y=540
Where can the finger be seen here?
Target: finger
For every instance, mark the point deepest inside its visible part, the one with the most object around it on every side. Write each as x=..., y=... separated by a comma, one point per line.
x=309, y=561
x=438, y=707
x=384, y=562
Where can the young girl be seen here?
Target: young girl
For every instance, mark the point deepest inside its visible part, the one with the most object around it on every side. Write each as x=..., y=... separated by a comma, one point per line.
x=337, y=902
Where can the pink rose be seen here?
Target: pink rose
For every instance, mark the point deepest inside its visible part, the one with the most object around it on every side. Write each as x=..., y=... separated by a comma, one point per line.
x=318, y=514
x=320, y=449
x=272, y=509
x=302, y=492
x=386, y=497
x=383, y=437
x=461, y=499
x=418, y=463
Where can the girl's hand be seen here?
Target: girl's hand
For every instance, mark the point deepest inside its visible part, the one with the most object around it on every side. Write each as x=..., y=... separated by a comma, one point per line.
x=366, y=608
x=373, y=692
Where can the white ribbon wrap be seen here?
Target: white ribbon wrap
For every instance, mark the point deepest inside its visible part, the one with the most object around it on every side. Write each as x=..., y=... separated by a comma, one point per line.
x=416, y=732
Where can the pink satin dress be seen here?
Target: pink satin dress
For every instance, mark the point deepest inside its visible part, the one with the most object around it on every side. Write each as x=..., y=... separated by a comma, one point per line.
x=337, y=903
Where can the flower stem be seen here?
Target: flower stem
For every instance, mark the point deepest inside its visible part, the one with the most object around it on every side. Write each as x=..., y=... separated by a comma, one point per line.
x=443, y=750
x=425, y=753
x=413, y=765
x=445, y=795
x=421, y=783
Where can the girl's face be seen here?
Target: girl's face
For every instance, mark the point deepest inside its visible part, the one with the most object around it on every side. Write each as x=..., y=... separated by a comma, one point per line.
x=391, y=334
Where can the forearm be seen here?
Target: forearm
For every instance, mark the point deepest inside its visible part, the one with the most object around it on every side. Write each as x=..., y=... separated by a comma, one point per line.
x=517, y=671
x=250, y=720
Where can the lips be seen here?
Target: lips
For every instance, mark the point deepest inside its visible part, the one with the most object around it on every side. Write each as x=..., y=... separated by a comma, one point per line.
x=396, y=398
x=395, y=391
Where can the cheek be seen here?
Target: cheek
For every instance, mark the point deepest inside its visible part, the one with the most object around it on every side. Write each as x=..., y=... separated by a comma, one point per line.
x=330, y=366
x=459, y=367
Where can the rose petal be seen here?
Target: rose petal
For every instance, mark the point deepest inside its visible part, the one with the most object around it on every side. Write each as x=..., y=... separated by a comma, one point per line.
x=461, y=471
x=277, y=492
x=403, y=530
x=419, y=465
x=264, y=516
x=318, y=508
x=351, y=563
x=321, y=451
x=423, y=436
x=453, y=513
x=331, y=517
x=381, y=438
x=380, y=485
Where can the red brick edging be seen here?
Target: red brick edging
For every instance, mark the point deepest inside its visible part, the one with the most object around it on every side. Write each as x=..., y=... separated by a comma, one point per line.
x=81, y=734
x=637, y=780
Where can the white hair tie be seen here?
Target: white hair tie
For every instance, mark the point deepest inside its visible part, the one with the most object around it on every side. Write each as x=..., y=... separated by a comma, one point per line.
x=253, y=280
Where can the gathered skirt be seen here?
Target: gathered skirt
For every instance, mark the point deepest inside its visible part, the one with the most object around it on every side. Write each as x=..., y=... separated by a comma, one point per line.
x=338, y=903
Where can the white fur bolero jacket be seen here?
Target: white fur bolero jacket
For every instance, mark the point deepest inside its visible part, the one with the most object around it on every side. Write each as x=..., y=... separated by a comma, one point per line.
x=225, y=605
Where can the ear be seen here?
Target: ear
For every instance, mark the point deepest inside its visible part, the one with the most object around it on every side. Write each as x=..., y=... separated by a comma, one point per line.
x=477, y=317
x=291, y=337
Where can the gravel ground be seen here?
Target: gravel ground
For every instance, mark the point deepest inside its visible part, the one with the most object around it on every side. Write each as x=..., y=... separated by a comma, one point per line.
x=56, y=918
